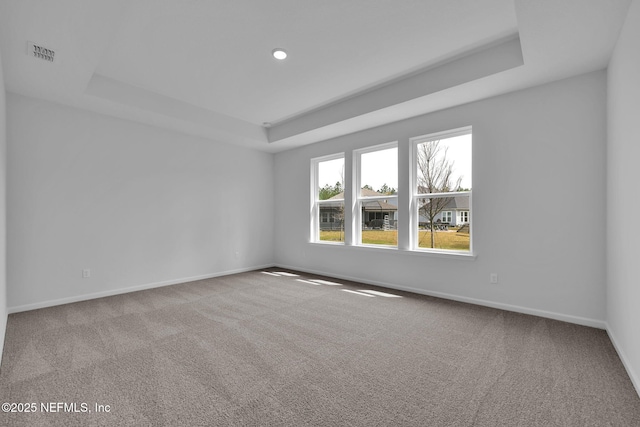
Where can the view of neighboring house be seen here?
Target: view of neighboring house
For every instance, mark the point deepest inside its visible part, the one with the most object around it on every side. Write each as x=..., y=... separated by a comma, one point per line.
x=373, y=211
x=332, y=215
x=455, y=212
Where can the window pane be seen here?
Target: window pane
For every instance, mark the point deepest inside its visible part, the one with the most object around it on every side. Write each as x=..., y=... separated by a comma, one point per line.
x=447, y=230
x=443, y=166
x=379, y=177
x=327, y=217
x=332, y=221
x=331, y=179
x=379, y=222
x=379, y=172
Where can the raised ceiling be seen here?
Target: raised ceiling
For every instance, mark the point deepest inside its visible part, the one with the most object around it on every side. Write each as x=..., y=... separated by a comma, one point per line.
x=204, y=67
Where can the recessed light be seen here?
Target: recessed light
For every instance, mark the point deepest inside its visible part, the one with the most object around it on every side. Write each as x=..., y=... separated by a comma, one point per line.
x=279, y=53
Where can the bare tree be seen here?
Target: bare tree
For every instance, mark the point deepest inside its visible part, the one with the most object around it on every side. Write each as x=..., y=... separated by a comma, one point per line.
x=434, y=176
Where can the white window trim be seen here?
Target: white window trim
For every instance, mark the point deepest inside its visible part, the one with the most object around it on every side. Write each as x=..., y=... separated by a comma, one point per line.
x=352, y=200
x=314, y=208
x=356, y=219
x=415, y=196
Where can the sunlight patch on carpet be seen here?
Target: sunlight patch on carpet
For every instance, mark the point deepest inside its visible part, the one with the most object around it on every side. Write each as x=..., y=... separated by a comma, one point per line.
x=358, y=293
x=309, y=282
x=326, y=282
x=380, y=294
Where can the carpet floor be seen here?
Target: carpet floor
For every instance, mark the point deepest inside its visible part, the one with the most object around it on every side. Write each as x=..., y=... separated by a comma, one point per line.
x=270, y=349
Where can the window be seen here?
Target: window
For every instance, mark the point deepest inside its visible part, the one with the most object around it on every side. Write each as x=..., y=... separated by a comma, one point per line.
x=377, y=199
x=412, y=195
x=441, y=185
x=327, y=219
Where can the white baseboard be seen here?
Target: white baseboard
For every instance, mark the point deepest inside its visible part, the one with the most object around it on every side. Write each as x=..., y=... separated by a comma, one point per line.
x=94, y=295
x=508, y=307
x=635, y=379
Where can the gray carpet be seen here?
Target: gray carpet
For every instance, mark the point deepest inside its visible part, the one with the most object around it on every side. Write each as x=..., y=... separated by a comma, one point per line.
x=258, y=349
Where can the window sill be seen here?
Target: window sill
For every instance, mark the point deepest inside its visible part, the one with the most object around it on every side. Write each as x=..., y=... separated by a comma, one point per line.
x=443, y=254
x=327, y=243
x=460, y=255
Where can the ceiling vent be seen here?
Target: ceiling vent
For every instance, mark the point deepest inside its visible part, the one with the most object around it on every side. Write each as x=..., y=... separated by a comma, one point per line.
x=40, y=52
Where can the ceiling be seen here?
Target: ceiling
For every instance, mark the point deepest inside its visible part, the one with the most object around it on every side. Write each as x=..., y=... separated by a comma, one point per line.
x=204, y=67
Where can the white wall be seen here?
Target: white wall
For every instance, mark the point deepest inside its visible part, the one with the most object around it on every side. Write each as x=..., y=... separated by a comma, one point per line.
x=537, y=154
x=3, y=211
x=623, y=175
x=137, y=205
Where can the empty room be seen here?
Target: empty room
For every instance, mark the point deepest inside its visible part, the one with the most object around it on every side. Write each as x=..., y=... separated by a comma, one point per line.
x=319, y=213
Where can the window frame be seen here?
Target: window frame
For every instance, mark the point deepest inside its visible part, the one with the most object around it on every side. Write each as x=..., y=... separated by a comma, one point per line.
x=406, y=198
x=315, y=218
x=357, y=192
x=415, y=197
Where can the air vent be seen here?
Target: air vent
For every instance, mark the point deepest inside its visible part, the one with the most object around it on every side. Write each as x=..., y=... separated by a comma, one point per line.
x=40, y=52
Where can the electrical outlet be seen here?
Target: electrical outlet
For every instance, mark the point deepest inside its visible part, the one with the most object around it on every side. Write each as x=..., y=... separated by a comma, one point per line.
x=493, y=278
x=86, y=273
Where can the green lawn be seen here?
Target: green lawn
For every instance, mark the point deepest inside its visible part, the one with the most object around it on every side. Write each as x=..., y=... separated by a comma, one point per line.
x=332, y=236
x=443, y=239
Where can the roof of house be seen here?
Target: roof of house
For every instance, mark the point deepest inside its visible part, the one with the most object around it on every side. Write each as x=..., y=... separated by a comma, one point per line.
x=365, y=192
x=460, y=202
x=382, y=205
x=457, y=203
